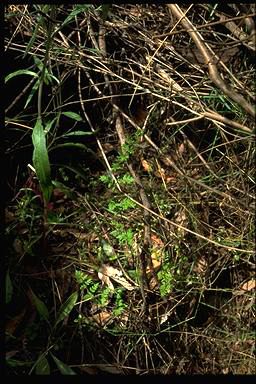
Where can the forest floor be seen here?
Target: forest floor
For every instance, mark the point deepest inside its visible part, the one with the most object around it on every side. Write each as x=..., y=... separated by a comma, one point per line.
x=130, y=217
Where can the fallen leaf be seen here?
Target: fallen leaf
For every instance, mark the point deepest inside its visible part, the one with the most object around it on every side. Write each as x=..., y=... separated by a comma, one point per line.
x=156, y=240
x=156, y=253
x=146, y=166
x=152, y=283
x=175, y=86
x=200, y=266
x=101, y=318
x=18, y=246
x=112, y=369
x=124, y=283
x=249, y=285
x=9, y=216
x=156, y=257
x=181, y=149
x=13, y=324
x=180, y=218
x=110, y=271
x=10, y=354
x=105, y=279
x=106, y=271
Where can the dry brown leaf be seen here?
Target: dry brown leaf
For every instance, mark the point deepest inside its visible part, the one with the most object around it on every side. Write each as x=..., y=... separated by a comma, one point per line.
x=156, y=240
x=135, y=11
x=123, y=282
x=168, y=78
x=106, y=271
x=181, y=149
x=249, y=285
x=103, y=276
x=156, y=257
x=101, y=318
x=18, y=246
x=180, y=218
x=89, y=369
x=13, y=324
x=152, y=283
x=111, y=369
x=123, y=320
x=200, y=266
x=156, y=254
x=170, y=179
x=110, y=271
x=9, y=216
x=146, y=166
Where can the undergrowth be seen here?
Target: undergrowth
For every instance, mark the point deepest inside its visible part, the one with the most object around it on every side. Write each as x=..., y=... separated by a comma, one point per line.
x=130, y=211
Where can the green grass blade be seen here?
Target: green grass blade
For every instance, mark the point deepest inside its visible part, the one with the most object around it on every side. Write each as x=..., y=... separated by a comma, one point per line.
x=33, y=90
x=79, y=133
x=8, y=288
x=49, y=124
x=75, y=145
x=104, y=10
x=41, y=160
x=20, y=72
x=77, y=9
x=64, y=368
x=32, y=39
x=39, y=304
x=77, y=170
x=42, y=366
x=73, y=115
x=66, y=308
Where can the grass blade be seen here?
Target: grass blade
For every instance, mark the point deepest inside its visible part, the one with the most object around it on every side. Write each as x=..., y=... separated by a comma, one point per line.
x=39, y=304
x=77, y=9
x=42, y=366
x=8, y=288
x=41, y=160
x=33, y=90
x=64, y=368
x=32, y=40
x=20, y=72
x=66, y=308
x=79, y=133
x=73, y=115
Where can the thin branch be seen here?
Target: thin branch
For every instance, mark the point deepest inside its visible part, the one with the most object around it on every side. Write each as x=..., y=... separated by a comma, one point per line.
x=213, y=70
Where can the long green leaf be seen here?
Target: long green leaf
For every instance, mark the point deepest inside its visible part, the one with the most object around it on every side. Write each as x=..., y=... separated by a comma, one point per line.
x=49, y=124
x=104, y=10
x=76, y=145
x=20, y=72
x=41, y=160
x=80, y=171
x=39, y=63
x=40, y=306
x=32, y=39
x=73, y=115
x=64, y=189
x=64, y=368
x=42, y=366
x=51, y=77
x=78, y=9
x=66, y=308
x=32, y=92
x=79, y=133
x=48, y=77
x=8, y=287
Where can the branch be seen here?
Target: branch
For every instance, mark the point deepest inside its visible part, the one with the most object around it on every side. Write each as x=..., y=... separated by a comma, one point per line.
x=213, y=70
